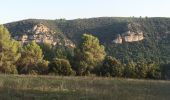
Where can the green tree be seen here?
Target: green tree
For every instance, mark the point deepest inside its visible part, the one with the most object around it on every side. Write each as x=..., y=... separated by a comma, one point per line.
x=58, y=51
x=88, y=55
x=42, y=67
x=31, y=55
x=130, y=70
x=154, y=71
x=63, y=52
x=60, y=67
x=112, y=67
x=141, y=69
x=48, y=51
x=9, y=52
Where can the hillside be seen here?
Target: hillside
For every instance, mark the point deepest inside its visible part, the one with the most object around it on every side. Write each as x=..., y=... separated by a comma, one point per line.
x=125, y=38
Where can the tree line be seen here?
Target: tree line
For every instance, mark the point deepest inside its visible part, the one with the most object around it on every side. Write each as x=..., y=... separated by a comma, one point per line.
x=88, y=58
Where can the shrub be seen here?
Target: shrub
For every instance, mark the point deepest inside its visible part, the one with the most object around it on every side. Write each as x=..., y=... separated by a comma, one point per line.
x=112, y=67
x=130, y=70
x=61, y=67
x=42, y=67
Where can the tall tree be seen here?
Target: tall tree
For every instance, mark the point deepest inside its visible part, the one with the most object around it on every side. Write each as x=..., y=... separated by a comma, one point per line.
x=89, y=54
x=31, y=55
x=9, y=52
x=51, y=52
x=48, y=51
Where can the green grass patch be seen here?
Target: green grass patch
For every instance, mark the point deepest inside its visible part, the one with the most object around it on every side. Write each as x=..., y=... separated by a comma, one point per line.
x=81, y=88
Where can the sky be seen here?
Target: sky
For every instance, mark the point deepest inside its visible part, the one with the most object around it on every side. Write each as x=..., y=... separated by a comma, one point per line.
x=14, y=10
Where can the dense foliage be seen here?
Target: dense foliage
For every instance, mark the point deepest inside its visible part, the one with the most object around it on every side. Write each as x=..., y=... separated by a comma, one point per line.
x=60, y=67
x=111, y=67
x=88, y=55
x=9, y=52
x=156, y=35
x=31, y=56
x=148, y=58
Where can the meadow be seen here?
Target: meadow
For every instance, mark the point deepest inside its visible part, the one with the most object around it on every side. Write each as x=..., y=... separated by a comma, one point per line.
x=21, y=87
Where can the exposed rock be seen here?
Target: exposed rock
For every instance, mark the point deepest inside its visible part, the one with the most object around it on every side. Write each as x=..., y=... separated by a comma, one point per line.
x=129, y=37
x=40, y=28
x=24, y=38
x=68, y=43
x=42, y=34
x=132, y=37
x=118, y=39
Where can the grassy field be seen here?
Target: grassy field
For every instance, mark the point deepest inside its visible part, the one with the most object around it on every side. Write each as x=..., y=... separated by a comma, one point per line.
x=81, y=88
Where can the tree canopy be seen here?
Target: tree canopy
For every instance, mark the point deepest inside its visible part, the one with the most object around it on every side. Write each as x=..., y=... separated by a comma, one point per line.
x=31, y=55
x=89, y=54
x=9, y=52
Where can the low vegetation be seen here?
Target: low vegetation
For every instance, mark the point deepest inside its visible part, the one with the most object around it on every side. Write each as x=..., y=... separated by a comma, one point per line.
x=14, y=87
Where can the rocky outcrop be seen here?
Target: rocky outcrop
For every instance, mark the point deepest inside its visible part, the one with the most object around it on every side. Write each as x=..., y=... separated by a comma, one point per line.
x=23, y=38
x=118, y=40
x=129, y=37
x=42, y=34
x=40, y=28
x=132, y=36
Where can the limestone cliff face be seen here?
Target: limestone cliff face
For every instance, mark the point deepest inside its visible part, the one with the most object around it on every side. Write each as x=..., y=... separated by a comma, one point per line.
x=129, y=37
x=119, y=39
x=132, y=37
x=40, y=28
x=42, y=34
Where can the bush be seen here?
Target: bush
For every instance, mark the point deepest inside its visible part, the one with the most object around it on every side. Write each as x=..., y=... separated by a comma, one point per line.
x=130, y=70
x=142, y=70
x=61, y=67
x=42, y=67
x=154, y=71
x=112, y=67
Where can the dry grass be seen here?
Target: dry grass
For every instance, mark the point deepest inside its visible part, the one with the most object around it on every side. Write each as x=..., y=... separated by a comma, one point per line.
x=81, y=88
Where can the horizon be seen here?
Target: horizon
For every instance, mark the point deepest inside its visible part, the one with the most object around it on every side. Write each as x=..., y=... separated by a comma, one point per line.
x=85, y=18
x=17, y=10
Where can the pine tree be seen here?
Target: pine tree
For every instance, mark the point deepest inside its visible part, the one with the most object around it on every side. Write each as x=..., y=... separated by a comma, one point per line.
x=31, y=56
x=9, y=52
x=89, y=54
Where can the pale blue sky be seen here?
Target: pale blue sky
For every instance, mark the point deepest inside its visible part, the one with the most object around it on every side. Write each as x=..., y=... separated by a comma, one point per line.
x=13, y=10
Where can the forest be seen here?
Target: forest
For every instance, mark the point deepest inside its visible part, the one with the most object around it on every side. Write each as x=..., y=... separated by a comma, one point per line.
x=89, y=58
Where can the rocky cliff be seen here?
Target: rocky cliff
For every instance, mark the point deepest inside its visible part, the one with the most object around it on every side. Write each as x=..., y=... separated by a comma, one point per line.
x=42, y=34
x=129, y=37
